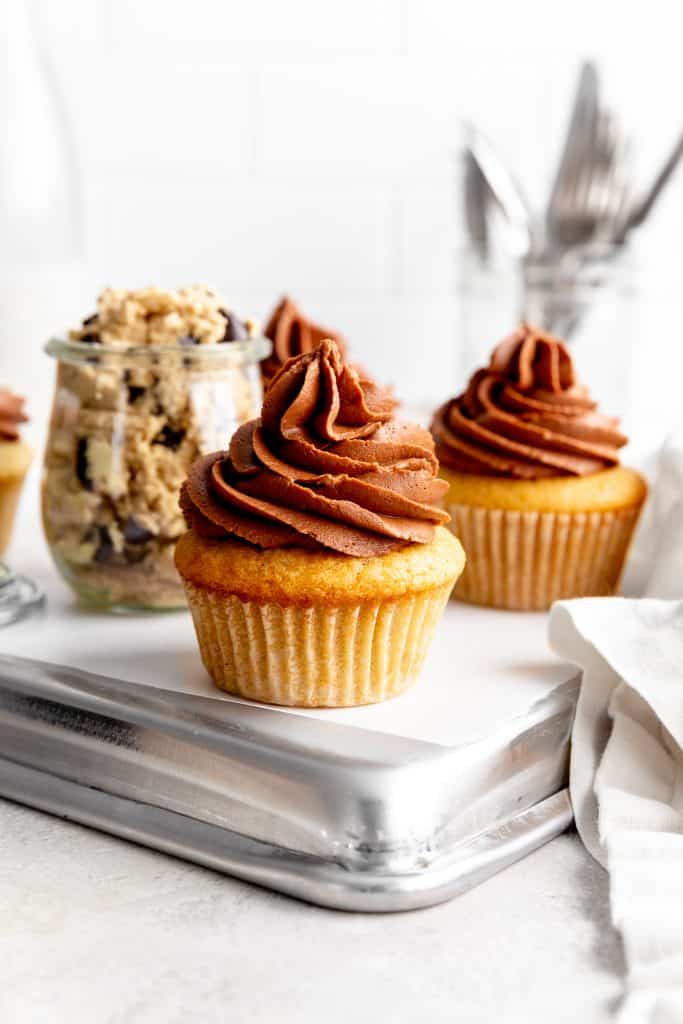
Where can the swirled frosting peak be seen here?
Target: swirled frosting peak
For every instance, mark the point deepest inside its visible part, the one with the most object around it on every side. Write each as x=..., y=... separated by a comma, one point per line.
x=526, y=416
x=325, y=466
x=11, y=415
x=292, y=333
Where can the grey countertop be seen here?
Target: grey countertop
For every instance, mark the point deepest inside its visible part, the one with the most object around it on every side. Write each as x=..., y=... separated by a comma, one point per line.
x=98, y=931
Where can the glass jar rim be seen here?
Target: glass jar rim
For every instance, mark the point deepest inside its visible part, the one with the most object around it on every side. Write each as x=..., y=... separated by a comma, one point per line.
x=246, y=352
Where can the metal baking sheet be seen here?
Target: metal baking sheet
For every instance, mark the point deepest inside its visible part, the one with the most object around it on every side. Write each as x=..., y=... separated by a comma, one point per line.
x=342, y=817
x=390, y=807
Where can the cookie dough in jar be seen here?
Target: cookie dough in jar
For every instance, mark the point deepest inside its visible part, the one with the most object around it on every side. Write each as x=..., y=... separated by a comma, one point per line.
x=147, y=384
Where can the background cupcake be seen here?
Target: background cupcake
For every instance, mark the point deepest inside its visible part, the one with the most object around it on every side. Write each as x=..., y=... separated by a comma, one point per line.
x=15, y=458
x=536, y=491
x=315, y=566
x=292, y=334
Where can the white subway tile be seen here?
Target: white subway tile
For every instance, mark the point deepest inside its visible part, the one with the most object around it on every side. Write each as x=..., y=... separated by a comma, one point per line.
x=273, y=238
x=535, y=27
x=242, y=31
x=169, y=120
x=355, y=118
x=71, y=23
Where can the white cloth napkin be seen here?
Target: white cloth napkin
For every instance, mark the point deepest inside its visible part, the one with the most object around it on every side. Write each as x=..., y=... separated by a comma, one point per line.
x=626, y=774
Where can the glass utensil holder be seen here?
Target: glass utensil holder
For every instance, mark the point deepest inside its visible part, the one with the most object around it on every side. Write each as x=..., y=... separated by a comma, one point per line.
x=584, y=296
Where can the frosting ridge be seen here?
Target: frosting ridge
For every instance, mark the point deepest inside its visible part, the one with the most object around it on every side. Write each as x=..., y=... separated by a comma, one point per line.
x=325, y=466
x=526, y=416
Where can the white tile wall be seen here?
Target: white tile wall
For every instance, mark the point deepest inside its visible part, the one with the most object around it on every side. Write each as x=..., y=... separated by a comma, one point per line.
x=303, y=28
x=309, y=145
x=248, y=237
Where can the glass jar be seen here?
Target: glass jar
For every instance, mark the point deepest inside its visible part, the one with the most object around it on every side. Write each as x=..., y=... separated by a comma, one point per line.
x=488, y=310
x=588, y=297
x=126, y=425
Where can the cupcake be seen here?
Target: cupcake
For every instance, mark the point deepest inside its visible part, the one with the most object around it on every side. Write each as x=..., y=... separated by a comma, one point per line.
x=535, y=489
x=293, y=334
x=15, y=458
x=316, y=564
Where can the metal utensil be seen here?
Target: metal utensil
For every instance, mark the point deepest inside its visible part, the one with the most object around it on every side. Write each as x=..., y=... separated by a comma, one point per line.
x=492, y=186
x=641, y=209
x=606, y=186
x=476, y=196
x=620, y=197
x=602, y=194
x=576, y=156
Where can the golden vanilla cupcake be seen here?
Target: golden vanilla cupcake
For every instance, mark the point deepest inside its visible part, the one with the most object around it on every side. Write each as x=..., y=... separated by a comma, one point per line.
x=15, y=458
x=535, y=489
x=316, y=564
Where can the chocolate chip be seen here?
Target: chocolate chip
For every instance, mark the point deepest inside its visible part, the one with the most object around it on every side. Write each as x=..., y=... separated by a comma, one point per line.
x=170, y=438
x=187, y=340
x=93, y=360
x=134, y=553
x=187, y=362
x=105, y=548
x=134, y=390
x=91, y=319
x=135, y=533
x=91, y=338
x=235, y=329
x=82, y=464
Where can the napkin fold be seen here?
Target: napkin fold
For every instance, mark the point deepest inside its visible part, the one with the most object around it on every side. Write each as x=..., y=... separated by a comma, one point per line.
x=626, y=770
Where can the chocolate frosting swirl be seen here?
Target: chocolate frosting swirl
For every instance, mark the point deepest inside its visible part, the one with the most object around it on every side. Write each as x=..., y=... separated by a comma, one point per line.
x=292, y=334
x=11, y=415
x=324, y=467
x=525, y=416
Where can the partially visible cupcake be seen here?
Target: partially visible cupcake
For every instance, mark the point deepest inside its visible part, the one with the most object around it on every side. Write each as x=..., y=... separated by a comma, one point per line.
x=293, y=334
x=536, y=492
x=15, y=458
x=315, y=565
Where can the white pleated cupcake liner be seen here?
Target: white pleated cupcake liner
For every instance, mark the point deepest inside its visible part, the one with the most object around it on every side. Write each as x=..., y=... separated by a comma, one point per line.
x=527, y=560
x=321, y=656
